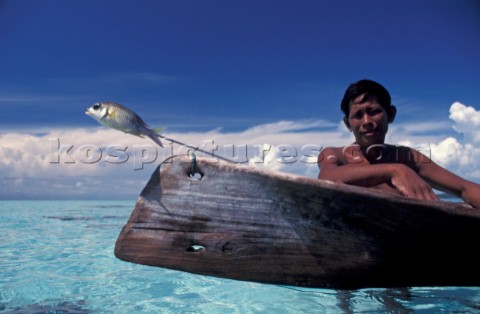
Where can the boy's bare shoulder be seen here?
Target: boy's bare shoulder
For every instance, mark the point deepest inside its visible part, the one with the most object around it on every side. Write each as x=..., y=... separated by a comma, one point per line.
x=331, y=155
x=332, y=150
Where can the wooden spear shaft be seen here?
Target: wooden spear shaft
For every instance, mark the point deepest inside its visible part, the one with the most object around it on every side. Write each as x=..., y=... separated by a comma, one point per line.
x=196, y=149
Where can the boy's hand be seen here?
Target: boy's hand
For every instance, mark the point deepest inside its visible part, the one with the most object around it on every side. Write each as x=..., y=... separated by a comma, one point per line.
x=411, y=184
x=471, y=195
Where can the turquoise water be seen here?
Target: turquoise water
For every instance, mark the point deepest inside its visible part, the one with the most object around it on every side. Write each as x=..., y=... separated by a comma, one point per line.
x=57, y=257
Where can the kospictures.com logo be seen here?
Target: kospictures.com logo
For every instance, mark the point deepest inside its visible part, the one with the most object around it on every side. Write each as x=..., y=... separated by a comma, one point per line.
x=141, y=155
x=261, y=153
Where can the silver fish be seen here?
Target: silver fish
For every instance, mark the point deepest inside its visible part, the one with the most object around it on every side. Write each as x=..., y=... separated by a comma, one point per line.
x=118, y=117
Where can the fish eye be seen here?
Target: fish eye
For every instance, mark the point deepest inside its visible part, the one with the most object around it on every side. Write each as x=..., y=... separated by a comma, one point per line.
x=96, y=106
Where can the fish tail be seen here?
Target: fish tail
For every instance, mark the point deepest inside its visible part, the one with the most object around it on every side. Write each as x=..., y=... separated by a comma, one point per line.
x=153, y=135
x=156, y=140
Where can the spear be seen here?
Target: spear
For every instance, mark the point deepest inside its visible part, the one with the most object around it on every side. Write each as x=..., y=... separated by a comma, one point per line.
x=195, y=149
x=121, y=118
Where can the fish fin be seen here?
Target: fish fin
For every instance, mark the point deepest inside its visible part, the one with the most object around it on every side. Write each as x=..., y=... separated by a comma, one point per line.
x=111, y=113
x=158, y=130
x=131, y=132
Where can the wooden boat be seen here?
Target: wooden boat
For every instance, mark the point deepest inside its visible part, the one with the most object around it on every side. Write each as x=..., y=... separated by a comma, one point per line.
x=242, y=223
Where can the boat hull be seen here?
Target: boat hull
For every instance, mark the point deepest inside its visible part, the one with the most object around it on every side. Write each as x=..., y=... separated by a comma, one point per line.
x=242, y=223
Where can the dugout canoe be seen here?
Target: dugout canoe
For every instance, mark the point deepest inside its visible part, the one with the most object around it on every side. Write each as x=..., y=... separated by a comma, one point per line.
x=239, y=222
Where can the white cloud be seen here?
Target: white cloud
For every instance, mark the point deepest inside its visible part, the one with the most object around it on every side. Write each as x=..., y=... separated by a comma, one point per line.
x=83, y=160
x=460, y=154
x=466, y=121
x=285, y=126
x=34, y=165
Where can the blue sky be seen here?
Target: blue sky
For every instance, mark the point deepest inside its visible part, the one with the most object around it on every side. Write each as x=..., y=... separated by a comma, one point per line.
x=198, y=66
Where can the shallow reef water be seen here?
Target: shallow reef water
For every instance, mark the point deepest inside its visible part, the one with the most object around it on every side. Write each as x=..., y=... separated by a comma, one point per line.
x=57, y=257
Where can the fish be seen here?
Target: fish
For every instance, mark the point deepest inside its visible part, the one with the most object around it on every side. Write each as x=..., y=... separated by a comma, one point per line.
x=118, y=117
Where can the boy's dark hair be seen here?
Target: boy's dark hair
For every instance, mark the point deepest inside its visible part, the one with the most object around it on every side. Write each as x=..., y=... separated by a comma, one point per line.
x=369, y=88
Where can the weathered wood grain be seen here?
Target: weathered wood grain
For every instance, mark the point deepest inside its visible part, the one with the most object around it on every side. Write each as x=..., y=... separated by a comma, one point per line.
x=242, y=223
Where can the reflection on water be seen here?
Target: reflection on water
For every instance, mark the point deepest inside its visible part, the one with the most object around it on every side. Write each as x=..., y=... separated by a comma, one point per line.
x=61, y=307
x=79, y=218
x=391, y=299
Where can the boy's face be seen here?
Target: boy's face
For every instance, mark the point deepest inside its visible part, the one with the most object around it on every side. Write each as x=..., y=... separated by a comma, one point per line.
x=368, y=121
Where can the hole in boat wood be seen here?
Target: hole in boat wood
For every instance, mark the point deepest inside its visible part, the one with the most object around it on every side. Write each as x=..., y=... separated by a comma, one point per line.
x=196, y=248
x=194, y=172
x=195, y=176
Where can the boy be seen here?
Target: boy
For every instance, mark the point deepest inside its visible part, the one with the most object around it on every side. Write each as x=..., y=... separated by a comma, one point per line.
x=369, y=162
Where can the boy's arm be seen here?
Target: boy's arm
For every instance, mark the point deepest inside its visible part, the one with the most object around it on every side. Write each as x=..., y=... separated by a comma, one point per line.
x=400, y=176
x=333, y=169
x=444, y=180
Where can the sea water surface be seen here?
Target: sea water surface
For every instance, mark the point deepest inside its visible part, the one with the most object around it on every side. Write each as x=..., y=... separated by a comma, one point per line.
x=57, y=257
